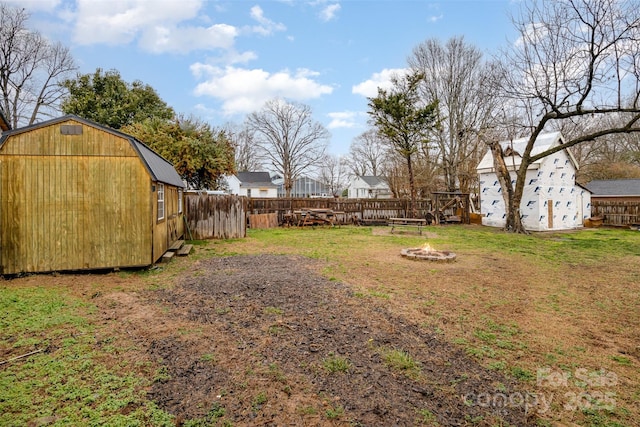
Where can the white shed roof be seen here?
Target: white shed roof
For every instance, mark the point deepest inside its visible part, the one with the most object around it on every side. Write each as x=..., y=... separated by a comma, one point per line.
x=543, y=143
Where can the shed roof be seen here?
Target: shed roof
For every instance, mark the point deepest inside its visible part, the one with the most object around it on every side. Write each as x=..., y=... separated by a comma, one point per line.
x=4, y=124
x=543, y=143
x=614, y=187
x=159, y=168
x=262, y=179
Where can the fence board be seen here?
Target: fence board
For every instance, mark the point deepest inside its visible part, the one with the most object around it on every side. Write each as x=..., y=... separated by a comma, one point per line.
x=216, y=216
x=269, y=220
x=615, y=212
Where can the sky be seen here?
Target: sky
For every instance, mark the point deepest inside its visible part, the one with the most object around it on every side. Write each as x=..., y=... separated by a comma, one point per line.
x=221, y=60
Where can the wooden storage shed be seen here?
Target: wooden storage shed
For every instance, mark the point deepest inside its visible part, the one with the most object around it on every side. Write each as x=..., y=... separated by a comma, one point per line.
x=77, y=195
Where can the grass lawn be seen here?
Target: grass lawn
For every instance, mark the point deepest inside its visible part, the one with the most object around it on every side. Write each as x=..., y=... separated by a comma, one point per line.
x=558, y=311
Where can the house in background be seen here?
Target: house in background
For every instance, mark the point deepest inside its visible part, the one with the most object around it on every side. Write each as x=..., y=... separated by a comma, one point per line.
x=619, y=190
x=4, y=124
x=551, y=198
x=615, y=202
x=368, y=187
x=76, y=195
x=304, y=187
x=252, y=184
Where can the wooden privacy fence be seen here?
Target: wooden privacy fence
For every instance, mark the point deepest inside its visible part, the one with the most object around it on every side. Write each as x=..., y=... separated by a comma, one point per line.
x=350, y=210
x=616, y=212
x=215, y=216
x=268, y=220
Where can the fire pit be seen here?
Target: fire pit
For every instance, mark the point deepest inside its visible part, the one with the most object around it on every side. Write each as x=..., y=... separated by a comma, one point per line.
x=427, y=253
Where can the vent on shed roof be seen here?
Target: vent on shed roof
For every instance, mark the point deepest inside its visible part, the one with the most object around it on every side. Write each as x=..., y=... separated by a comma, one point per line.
x=71, y=129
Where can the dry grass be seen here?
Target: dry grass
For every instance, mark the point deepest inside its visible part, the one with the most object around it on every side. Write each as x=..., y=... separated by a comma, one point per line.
x=560, y=312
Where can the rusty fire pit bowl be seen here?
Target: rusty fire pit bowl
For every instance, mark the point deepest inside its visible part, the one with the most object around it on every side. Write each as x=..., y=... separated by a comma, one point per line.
x=428, y=255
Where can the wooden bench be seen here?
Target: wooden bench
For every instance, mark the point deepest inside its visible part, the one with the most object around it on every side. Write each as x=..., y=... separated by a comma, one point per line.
x=418, y=223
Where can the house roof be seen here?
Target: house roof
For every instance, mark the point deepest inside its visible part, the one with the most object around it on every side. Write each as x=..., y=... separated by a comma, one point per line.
x=517, y=147
x=614, y=187
x=255, y=179
x=159, y=168
x=373, y=181
x=4, y=124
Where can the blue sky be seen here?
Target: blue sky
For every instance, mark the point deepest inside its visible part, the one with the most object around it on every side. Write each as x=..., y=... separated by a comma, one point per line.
x=220, y=60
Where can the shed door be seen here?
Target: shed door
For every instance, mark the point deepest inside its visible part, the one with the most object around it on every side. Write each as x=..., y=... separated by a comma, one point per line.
x=579, y=210
x=550, y=213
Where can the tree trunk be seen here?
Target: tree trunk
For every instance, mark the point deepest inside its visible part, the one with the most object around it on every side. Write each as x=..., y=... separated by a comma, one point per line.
x=511, y=197
x=514, y=218
x=451, y=175
x=288, y=185
x=412, y=189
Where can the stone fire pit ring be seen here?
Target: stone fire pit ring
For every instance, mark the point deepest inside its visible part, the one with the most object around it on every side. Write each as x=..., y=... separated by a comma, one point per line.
x=422, y=254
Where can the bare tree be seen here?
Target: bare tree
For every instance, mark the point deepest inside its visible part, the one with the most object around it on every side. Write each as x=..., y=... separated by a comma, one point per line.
x=247, y=155
x=366, y=154
x=427, y=173
x=289, y=138
x=394, y=169
x=613, y=156
x=456, y=76
x=31, y=69
x=333, y=173
x=574, y=58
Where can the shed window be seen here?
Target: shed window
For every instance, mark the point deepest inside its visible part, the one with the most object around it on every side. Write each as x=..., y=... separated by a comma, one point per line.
x=180, y=201
x=71, y=129
x=160, y=201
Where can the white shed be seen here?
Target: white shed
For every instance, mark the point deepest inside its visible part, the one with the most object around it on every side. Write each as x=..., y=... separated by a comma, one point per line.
x=551, y=198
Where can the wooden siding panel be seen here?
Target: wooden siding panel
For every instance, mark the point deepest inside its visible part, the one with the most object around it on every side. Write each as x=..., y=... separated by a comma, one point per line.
x=48, y=141
x=159, y=236
x=169, y=229
x=72, y=202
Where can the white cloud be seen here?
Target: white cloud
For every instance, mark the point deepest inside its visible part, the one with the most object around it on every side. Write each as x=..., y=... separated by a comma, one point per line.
x=35, y=5
x=156, y=29
x=205, y=112
x=178, y=40
x=342, y=119
x=369, y=88
x=329, y=12
x=233, y=57
x=243, y=90
x=120, y=22
x=267, y=26
x=435, y=17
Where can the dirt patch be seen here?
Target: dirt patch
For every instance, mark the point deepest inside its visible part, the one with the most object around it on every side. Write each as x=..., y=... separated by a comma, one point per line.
x=249, y=339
